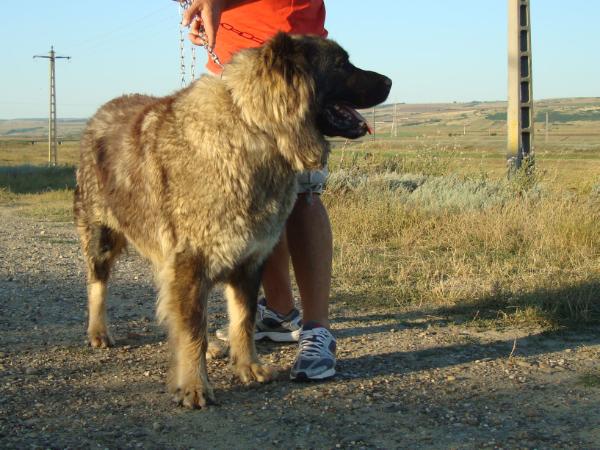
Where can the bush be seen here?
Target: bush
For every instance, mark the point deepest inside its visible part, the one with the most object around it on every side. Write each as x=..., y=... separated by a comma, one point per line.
x=432, y=194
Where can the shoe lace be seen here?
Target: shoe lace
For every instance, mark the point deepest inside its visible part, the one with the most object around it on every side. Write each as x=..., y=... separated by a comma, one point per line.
x=314, y=345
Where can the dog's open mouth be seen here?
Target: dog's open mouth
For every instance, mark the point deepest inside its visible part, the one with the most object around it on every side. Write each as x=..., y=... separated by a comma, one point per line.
x=341, y=119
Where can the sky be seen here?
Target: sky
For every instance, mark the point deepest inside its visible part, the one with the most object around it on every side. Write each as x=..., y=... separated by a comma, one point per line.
x=433, y=50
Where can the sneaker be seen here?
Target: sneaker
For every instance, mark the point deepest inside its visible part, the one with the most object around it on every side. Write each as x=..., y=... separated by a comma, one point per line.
x=271, y=325
x=316, y=357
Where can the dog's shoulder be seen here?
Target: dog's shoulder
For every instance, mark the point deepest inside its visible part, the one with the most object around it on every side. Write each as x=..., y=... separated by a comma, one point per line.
x=208, y=97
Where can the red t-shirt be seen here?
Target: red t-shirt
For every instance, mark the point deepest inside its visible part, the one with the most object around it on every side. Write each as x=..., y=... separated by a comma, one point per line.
x=254, y=22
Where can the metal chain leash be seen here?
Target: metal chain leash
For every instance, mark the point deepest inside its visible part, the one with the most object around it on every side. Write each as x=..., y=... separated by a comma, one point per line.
x=183, y=5
x=204, y=38
x=193, y=64
x=182, y=47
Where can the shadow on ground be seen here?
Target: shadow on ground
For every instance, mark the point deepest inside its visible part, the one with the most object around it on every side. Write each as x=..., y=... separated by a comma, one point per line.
x=61, y=393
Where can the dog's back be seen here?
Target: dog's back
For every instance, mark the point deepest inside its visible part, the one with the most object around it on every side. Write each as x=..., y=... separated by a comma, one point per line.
x=108, y=158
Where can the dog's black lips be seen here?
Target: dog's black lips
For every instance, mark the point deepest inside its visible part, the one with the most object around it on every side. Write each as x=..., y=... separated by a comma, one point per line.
x=341, y=119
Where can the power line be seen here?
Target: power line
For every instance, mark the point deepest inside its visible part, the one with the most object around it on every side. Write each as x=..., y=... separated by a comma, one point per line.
x=127, y=27
x=52, y=144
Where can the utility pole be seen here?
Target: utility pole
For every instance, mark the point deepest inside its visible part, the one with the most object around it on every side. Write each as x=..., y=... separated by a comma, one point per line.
x=394, y=129
x=520, y=82
x=52, y=143
x=374, y=126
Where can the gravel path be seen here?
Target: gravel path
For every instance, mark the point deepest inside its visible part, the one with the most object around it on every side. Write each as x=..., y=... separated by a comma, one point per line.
x=406, y=379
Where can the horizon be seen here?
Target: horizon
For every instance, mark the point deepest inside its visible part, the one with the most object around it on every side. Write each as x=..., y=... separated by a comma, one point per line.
x=383, y=105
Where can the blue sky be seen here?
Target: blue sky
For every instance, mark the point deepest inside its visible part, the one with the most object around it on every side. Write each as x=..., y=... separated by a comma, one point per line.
x=434, y=50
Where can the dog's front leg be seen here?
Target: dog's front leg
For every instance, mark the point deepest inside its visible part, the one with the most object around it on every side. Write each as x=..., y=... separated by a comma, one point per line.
x=182, y=305
x=241, y=292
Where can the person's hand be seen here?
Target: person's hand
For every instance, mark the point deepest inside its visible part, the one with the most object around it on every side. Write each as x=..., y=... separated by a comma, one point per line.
x=205, y=13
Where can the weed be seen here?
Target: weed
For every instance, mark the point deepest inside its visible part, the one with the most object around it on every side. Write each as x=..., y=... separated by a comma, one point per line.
x=590, y=379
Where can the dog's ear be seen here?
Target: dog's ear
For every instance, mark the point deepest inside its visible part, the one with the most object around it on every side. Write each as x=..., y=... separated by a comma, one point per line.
x=284, y=57
x=292, y=91
x=274, y=90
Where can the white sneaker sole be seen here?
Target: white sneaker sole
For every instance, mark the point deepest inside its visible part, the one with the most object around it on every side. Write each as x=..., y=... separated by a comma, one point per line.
x=322, y=376
x=276, y=336
x=292, y=336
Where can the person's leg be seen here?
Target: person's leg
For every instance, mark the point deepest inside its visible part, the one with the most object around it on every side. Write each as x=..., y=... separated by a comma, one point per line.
x=310, y=245
x=309, y=241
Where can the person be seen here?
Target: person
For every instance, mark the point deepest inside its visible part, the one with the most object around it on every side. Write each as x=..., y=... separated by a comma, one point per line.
x=230, y=26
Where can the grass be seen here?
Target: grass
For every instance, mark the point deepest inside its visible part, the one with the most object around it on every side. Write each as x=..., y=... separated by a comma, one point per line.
x=434, y=227
x=16, y=153
x=591, y=379
x=50, y=206
x=555, y=116
x=40, y=192
x=511, y=251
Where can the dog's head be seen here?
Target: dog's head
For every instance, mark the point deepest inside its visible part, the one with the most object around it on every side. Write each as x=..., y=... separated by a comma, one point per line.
x=299, y=88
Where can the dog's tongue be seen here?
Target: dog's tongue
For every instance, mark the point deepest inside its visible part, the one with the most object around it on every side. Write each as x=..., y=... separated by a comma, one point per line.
x=354, y=113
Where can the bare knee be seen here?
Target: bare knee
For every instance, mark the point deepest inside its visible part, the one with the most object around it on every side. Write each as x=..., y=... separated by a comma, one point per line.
x=309, y=218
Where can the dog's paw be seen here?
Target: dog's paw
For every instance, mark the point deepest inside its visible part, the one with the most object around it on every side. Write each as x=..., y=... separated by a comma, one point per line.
x=216, y=350
x=255, y=372
x=100, y=339
x=194, y=396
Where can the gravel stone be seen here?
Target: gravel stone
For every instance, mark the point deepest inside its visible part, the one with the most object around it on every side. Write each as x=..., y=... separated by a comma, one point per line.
x=408, y=378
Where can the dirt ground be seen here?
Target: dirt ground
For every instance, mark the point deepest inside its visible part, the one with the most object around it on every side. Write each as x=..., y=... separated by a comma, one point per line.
x=407, y=379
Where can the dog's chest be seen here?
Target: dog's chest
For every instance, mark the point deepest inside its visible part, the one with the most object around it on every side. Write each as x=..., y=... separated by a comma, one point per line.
x=243, y=223
x=253, y=234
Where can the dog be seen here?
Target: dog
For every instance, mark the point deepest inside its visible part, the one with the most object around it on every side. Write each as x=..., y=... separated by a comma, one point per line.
x=201, y=183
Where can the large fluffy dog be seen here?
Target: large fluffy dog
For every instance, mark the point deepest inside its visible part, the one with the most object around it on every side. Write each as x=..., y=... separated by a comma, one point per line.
x=201, y=183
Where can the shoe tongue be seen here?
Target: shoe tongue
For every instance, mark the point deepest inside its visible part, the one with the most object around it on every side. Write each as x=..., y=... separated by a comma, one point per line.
x=311, y=325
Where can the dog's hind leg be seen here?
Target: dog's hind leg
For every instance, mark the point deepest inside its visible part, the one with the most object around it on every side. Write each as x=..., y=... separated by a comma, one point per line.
x=241, y=292
x=101, y=246
x=183, y=307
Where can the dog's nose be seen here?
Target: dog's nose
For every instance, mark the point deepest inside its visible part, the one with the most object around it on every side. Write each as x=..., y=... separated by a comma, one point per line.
x=387, y=82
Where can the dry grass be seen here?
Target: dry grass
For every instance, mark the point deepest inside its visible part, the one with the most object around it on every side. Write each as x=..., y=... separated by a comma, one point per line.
x=52, y=206
x=14, y=153
x=434, y=228
x=509, y=250
x=41, y=192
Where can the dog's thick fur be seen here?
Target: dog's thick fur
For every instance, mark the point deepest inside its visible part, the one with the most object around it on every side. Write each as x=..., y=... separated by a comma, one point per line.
x=201, y=183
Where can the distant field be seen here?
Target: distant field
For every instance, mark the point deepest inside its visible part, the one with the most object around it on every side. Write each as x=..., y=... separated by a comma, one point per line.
x=467, y=137
x=569, y=167
x=17, y=152
x=566, y=168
